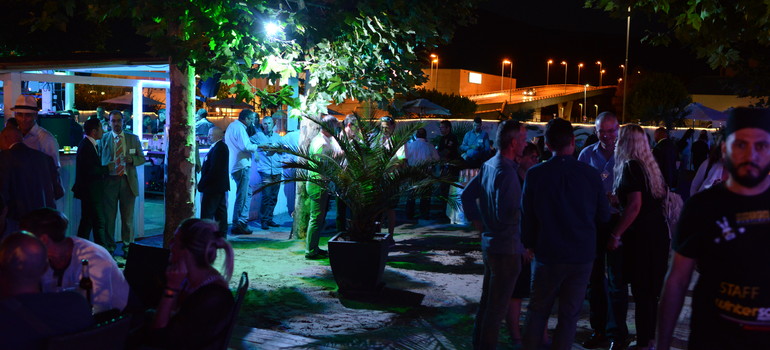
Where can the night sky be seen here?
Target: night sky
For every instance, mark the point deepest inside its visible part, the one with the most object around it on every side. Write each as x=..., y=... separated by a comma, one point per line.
x=531, y=32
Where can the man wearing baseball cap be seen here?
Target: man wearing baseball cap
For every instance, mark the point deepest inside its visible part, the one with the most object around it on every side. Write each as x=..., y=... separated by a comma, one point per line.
x=725, y=232
x=35, y=137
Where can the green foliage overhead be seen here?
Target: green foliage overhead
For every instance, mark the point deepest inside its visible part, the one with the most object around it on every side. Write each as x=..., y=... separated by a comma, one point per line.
x=658, y=97
x=369, y=50
x=731, y=34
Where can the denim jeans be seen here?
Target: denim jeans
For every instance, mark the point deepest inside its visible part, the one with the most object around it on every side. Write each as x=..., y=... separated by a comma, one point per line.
x=242, y=198
x=269, y=196
x=500, y=274
x=608, y=293
x=567, y=282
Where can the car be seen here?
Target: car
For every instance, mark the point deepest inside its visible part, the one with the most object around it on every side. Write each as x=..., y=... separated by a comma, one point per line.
x=530, y=92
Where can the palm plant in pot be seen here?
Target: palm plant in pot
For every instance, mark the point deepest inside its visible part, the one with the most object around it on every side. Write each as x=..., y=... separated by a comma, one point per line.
x=369, y=174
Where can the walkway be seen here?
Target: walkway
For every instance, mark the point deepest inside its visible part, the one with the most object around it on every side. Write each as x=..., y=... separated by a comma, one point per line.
x=293, y=304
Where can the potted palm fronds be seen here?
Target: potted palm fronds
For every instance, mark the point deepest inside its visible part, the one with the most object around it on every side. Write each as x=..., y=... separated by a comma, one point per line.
x=369, y=174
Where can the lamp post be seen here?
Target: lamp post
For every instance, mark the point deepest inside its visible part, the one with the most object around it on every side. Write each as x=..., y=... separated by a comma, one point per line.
x=547, y=71
x=502, y=72
x=585, y=99
x=432, y=62
x=433, y=56
x=600, y=72
x=510, y=82
x=564, y=63
x=580, y=65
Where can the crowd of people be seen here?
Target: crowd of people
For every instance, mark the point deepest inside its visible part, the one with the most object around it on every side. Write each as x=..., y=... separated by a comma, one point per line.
x=597, y=224
x=553, y=231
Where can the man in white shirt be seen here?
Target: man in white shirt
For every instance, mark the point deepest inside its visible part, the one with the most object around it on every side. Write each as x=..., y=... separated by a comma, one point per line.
x=65, y=254
x=418, y=152
x=35, y=137
x=241, y=151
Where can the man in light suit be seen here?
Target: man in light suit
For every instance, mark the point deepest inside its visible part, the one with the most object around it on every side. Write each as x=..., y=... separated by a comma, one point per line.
x=89, y=185
x=215, y=180
x=124, y=151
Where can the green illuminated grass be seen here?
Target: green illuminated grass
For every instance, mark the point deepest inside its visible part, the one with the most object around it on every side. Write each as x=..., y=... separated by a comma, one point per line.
x=326, y=283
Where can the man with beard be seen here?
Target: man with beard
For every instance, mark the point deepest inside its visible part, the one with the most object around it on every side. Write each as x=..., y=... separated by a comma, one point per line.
x=724, y=231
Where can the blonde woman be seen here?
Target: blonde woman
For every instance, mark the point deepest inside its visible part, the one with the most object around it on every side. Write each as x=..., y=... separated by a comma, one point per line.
x=193, y=312
x=641, y=229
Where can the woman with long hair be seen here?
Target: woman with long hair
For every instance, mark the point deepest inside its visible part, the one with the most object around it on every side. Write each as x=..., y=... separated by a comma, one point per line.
x=641, y=229
x=196, y=293
x=711, y=171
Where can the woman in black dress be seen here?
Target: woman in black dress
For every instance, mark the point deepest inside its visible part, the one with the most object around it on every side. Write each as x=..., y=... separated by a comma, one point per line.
x=641, y=229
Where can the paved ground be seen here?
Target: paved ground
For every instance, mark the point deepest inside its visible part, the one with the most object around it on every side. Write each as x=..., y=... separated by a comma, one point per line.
x=293, y=303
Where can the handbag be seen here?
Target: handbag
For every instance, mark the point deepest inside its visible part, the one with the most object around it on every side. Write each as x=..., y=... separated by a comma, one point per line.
x=672, y=207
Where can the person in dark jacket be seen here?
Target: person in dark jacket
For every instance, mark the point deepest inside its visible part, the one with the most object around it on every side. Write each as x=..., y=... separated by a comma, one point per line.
x=215, y=180
x=89, y=185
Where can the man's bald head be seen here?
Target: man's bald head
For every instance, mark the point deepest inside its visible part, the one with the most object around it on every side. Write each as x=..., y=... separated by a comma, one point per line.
x=23, y=259
x=10, y=136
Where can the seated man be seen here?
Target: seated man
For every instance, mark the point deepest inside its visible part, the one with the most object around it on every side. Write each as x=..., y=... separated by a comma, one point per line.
x=64, y=256
x=28, y=317
x=475, y=147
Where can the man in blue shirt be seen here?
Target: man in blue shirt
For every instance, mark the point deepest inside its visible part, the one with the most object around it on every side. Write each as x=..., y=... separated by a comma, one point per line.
x=607, y=294
x=491, y=202
x=475, y=146
x=562, y=202
x=270, y=167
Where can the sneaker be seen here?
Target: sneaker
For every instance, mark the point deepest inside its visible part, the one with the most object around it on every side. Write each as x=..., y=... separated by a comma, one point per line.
x=621, y=343
x=596, y=341
x=265, y=226
x=272, y=223
x=317, y=255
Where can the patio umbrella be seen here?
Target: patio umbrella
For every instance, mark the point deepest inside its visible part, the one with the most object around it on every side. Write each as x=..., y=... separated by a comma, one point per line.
x=424, y=106
x=128, y=99
x=230, y=103
x=698, y=111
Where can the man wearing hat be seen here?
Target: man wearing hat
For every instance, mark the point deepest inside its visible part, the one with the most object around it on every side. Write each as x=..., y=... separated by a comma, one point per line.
x=725, y=232
x=35, y=137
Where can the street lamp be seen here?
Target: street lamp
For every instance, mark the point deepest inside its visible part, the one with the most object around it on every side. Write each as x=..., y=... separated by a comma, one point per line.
x=564, y=63
x=581, y=109
x=579, y=66
x=502, y=72
x=547, y=71
x=600, y=72
x=433, y=56
x=585, y=98
x=432, y=62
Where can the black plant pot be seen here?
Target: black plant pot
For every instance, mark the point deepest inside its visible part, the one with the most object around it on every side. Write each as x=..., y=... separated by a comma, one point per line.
x=358, y=266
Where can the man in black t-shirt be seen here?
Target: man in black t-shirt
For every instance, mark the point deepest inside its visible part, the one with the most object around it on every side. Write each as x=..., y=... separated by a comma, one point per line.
x=724, y=231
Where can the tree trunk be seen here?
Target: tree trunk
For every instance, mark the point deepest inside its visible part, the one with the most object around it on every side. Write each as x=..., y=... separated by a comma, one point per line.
x=180, y=191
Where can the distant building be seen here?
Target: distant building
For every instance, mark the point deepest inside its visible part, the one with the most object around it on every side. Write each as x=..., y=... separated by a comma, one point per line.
x=465, y=82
